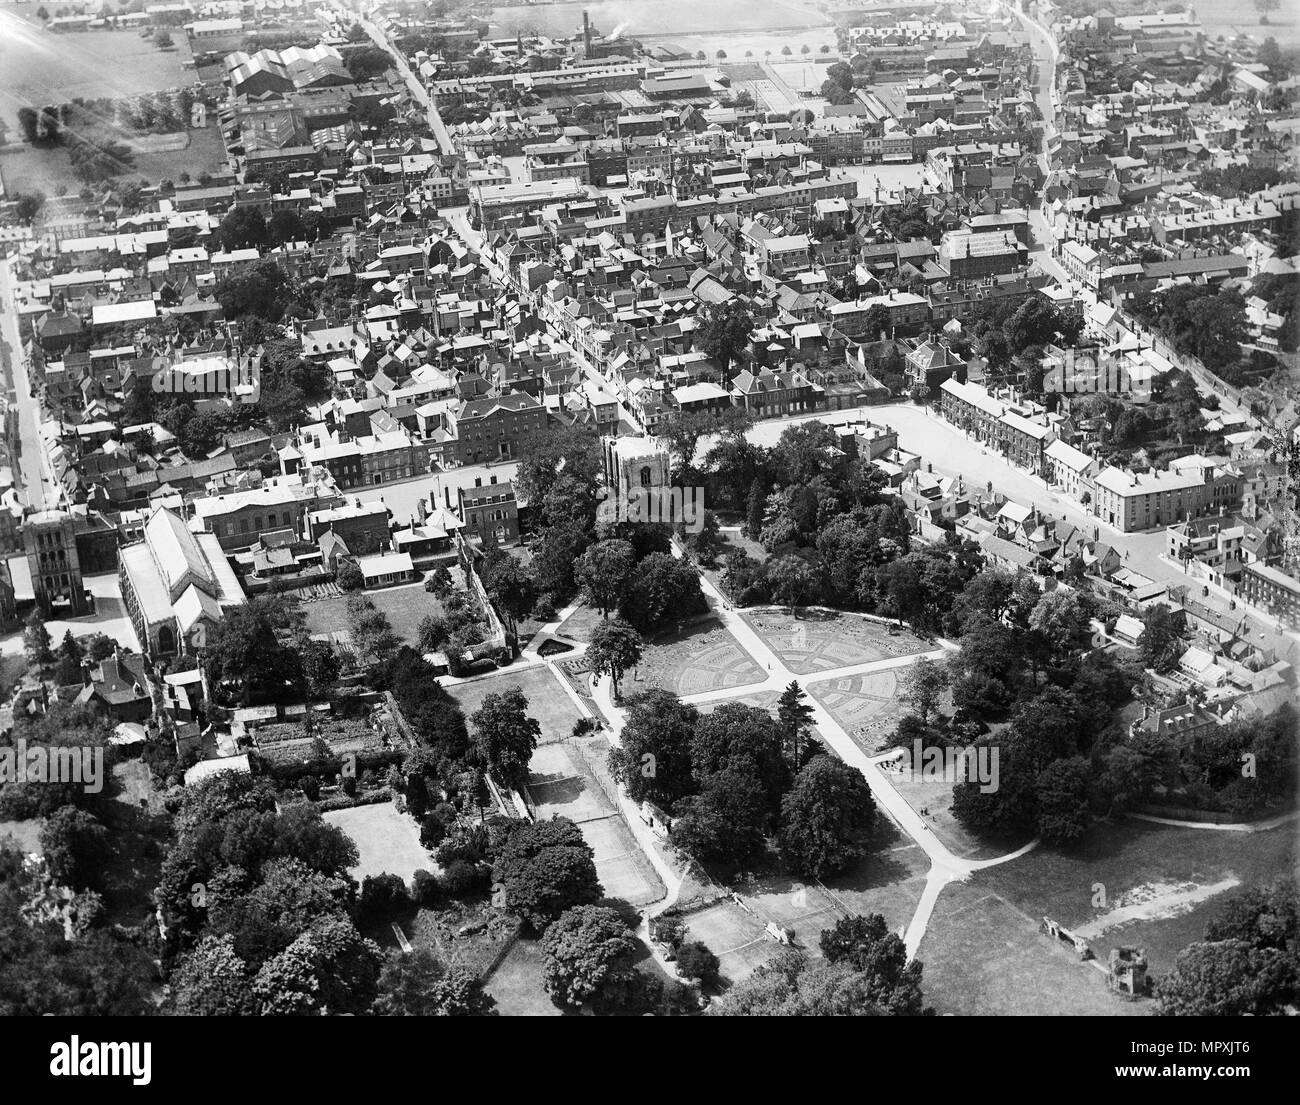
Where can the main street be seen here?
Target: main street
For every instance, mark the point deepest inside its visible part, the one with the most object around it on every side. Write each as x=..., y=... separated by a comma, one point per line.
x=26, y=455
x=413, y=83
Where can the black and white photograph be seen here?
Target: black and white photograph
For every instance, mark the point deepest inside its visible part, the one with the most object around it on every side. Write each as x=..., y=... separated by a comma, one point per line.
x=649, y=508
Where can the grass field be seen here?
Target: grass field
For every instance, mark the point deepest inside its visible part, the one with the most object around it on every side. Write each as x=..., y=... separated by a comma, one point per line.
x=404, y=607
x=983, y=952
x=40, y=67
x=548, y=702
x=517, y=983
x=388, y=842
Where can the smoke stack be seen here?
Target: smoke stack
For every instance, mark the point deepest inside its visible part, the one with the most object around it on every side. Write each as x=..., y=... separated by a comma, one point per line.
x=586, y=34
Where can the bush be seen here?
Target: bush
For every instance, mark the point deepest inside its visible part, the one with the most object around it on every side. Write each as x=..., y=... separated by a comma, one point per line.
x=460, y=879
x=425, y=888
x=432, y=831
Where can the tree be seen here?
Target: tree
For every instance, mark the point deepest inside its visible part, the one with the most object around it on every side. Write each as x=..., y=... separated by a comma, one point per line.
x=419, y=985
x=653, y=760
x=212, y=980
x=792, y=986
x=722, y=330
x=605, y=571
x=36, y=640
x=163, y=39
x=28, y=205
x=511, y=589
x=329, y=969
x=1224, y=978
x=1266, y=6
x=725, y=823
x=615, y=647
x=663, y=588
x=791, y=579
x=587, y=951
x=921, y=686
x=75, y=845
x=1062, y=793
x=1060, y=623
x=320, y=666
x=545, y=868
x=506, y=736
x=285, y=225
x=786, y=50
x=1160, y=642
x=867, y=945
x=348, y=576
x=826, y=819
x=243, y=652
x=696, y=962
x=243, y=229
x=794, y=715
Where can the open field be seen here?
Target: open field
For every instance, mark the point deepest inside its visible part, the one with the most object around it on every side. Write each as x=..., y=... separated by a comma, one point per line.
x=983, y=956
x=547, y=700
x=704, y=658
x=983, y=952
x=388, y=842
x=28, y=169
x=1134, y=862
x=40, y=67
x=811, y=641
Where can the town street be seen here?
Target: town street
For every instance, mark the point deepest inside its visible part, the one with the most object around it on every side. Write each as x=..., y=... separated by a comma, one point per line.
x=30, y=461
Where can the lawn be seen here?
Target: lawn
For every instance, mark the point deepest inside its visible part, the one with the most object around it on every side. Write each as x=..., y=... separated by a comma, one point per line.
x=934, y=796
x=388, y=842
x=548, y=701
x=1130, y=862
x=983, y=956
x=404, y=607
x=1160, y=886
x=517, y=983
x=41, y=67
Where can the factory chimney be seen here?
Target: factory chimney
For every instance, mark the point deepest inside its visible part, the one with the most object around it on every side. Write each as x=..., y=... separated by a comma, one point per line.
x=586, y=35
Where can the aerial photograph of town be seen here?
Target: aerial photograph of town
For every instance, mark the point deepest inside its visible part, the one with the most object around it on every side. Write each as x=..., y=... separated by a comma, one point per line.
x=678, y=508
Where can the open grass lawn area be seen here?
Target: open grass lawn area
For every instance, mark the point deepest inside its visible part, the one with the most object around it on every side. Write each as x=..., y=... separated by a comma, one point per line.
x=404, y=607
x=517, y=983
x=888, y=881
x=1161, y=884
x=579, y=625
x=548, y=701
x=47, y=170
x=982, y=956
x=706, y=657
x=388, y=842
x=935, y=798
x=41, y=67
